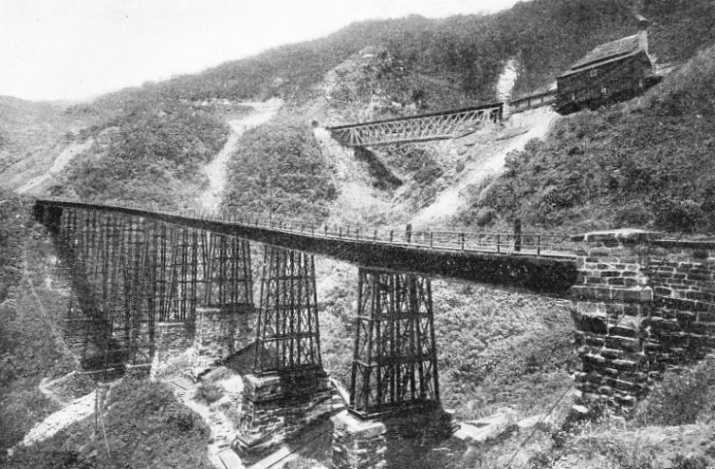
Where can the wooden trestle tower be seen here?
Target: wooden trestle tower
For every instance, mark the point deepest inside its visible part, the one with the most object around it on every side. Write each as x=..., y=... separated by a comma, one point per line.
x=395, y=357
x=129, y=272
x=287, y=335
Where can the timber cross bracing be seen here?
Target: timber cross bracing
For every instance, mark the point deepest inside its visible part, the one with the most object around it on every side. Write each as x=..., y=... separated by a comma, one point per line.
x=287, y=336
x=129, y=272
x=436, y=126
x=395, y=356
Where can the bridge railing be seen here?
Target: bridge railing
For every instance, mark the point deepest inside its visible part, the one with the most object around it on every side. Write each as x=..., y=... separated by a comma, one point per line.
x=433, y=239
x=438, y=239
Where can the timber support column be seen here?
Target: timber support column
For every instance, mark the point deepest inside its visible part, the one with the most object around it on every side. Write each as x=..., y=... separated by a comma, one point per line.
x=225, y=313
x=394, y=382
x=288, y=388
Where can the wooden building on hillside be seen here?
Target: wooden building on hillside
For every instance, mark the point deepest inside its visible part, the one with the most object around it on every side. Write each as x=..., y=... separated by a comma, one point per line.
x=612, y=72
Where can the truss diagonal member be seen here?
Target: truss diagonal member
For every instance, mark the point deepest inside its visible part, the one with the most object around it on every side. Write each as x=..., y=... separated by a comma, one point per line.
x=423, y=127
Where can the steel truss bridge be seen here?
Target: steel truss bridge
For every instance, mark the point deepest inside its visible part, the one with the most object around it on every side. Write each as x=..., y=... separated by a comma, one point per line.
x=133, y=269
x=425, y=127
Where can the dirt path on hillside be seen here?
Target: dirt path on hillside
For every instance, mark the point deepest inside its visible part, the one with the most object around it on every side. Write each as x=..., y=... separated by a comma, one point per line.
x=69, y=412
x=535, y=124
x=58, y=165
x=221, y=429
x=216, y=169
x=73, y=412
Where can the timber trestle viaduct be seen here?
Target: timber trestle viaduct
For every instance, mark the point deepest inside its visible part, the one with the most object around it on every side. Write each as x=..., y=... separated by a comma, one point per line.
x=150, y=284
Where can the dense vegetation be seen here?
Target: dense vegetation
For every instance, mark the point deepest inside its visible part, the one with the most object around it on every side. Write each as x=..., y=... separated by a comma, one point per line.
x=145, y=427
x=462, y=54
x=163, y=135
x=30, y=348
x=647, y=165
x=11, y=211
x=279, y=168
x=496, y=349
x=154, y=154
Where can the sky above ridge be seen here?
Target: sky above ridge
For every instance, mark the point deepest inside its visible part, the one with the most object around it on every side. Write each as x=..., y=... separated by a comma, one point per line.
x=76, y=49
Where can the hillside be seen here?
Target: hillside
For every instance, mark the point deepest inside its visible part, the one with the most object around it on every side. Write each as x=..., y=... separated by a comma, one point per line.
x=643, y=164
x=463, y=53
x=429, y=65
x=32, y=137
x=646, y=163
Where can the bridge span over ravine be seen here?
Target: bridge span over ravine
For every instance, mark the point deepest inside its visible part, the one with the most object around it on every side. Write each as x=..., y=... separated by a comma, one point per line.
x=150, y=284
x=542, y=263
x=442, y=125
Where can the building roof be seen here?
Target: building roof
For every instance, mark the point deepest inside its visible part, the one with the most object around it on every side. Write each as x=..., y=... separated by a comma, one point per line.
x=606, y=53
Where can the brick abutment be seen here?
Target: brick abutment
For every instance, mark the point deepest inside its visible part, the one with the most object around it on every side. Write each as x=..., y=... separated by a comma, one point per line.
x=643, y=305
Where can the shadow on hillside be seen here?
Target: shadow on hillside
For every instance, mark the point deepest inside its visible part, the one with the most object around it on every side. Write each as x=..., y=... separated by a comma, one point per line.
x=383, y=178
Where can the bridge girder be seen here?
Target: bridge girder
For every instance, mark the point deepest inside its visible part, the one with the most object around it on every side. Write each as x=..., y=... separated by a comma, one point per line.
x=426, y=127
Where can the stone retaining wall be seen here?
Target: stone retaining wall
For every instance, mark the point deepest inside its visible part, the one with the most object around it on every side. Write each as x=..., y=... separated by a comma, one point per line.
x=643, y=305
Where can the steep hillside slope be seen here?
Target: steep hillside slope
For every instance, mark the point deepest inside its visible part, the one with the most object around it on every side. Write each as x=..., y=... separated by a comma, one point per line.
x=464, y=53
x=644, y=164
x=33, y=136
x=152, y=155
x=434, y=64
x=31, y=345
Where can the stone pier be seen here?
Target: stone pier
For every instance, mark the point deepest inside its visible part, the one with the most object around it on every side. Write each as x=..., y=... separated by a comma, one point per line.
x=220, y=332
x=403, y=438
x=276, y=407
x=172, y=339
x=287, y=389
x=358, y=443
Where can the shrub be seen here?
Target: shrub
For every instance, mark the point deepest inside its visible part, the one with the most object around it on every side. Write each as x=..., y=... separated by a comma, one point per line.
x=649, y=166
x=209, y=393
x=154, y=153
x=680, y=398
x=278, y=168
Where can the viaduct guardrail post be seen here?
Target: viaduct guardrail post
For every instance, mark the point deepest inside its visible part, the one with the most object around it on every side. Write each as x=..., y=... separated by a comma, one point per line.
x=517, y=235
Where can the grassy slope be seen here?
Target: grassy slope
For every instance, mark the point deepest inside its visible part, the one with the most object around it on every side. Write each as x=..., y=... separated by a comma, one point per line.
x=145, y=427
x=495, y=348
x=31, y=136
x=435, y=64
x=278, y=167
x=152, y=155
x=644, y=164
x=30, y=347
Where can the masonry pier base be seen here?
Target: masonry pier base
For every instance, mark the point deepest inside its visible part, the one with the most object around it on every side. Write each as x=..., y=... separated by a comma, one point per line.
x=358, y=443
x=275, y=407
x=404, y=438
